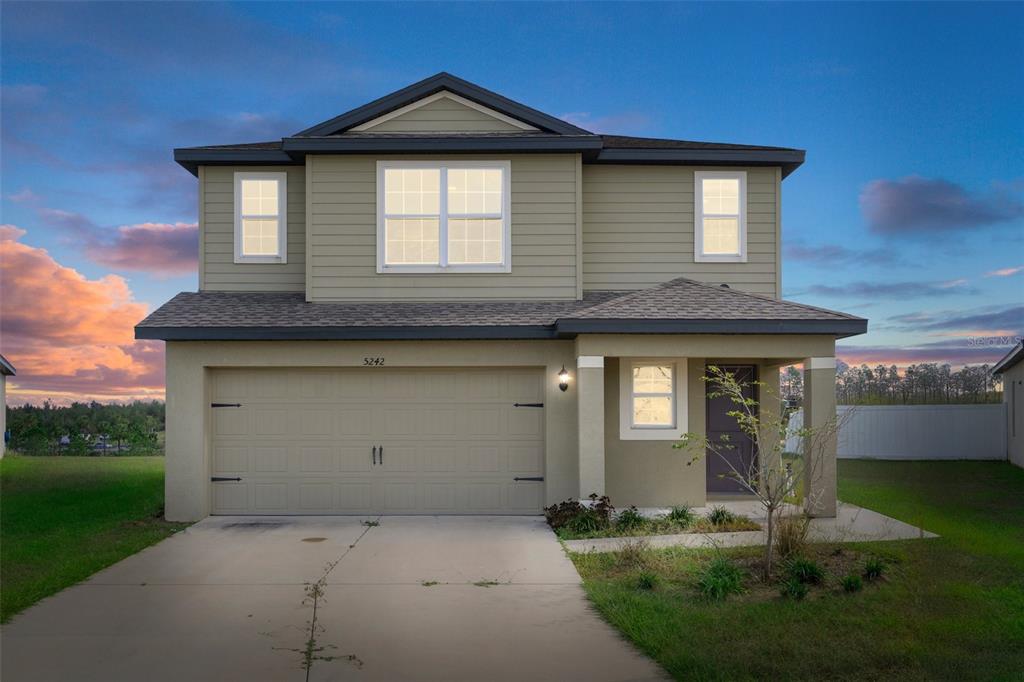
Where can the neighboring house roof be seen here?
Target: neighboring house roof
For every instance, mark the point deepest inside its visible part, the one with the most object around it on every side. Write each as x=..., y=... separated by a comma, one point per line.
x=1015, y=355
x=681, y=306
x=552, y=134
x=6, y=368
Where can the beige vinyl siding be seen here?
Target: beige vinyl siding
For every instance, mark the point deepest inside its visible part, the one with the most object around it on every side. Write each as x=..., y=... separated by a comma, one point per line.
x=218, y=271
x=443, y=115
x=638, y=229
x=343, y=234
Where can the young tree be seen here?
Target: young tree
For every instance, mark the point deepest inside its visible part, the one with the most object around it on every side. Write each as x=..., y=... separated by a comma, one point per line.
x=774, y=476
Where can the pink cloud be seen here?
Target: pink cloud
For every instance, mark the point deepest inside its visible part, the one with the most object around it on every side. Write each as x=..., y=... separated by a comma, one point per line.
x=161, y=249
x=71, y=337
x=1005, y=272
x=157, y=248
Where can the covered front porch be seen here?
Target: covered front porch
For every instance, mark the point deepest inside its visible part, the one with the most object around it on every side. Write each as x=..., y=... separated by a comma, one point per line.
x=638, y=394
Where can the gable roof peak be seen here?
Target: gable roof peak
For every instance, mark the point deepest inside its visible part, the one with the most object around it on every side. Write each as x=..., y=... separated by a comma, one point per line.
x=433, y=84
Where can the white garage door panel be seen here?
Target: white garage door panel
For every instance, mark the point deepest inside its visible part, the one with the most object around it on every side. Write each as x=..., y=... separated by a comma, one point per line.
x=302, y=441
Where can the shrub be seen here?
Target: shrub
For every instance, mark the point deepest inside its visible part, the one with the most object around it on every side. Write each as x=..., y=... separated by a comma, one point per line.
x=630, y=519
x=804, y=570
x=682, y=515
x=633, y=554
x=562, y=514
x=852, y=583
x=585, y=521
x=719, y=516
x=602, y=507
x=793, y=589
x=559, y=515
x=720, y=578
x=874, y=568
x=791, y=535
x=646, y=580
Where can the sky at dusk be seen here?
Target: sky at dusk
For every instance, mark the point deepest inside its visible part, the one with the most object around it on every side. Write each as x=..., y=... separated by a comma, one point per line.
x=908, y=211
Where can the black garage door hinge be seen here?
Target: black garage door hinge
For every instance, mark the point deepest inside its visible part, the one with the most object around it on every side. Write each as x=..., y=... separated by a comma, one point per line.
x=225, y=404
x=527, y=404
x=528, y=478
x=225, y=478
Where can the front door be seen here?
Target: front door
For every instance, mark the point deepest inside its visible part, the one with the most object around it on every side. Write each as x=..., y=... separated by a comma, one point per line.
x=722, y=464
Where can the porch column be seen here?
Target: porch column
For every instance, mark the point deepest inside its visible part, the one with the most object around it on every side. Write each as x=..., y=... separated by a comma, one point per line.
x=819, y=406
x=590, y=415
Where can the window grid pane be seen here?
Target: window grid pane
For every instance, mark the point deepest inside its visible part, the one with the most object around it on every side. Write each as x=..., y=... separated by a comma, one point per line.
x=652, y=411
x=721, y=236
x=474, y=241
x=259, y=237
x=722, y=196
x=412, y=241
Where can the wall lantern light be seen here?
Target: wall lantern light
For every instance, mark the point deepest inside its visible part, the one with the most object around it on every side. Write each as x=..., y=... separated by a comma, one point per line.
x=563, y=379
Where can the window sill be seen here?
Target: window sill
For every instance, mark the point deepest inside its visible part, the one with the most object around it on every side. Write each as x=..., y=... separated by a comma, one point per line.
x=668, y=434
x=719, y=258
x=262, y=260
x=436, y=269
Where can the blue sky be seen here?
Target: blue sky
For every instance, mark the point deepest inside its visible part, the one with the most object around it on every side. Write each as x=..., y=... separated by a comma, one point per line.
x=911, y=115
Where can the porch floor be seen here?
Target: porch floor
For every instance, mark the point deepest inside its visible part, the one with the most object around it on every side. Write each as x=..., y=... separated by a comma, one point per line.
x=851, y=524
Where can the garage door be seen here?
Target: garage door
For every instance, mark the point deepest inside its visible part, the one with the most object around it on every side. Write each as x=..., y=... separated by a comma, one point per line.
x=375, y=440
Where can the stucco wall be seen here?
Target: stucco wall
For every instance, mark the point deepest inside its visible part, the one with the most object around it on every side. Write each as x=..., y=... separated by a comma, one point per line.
x=3, y=412
x=188, y=363
x=1013, y=396
x=650, y=473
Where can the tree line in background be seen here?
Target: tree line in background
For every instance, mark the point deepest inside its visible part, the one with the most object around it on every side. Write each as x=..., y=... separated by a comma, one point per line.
x=87, y=428
x=924, y=384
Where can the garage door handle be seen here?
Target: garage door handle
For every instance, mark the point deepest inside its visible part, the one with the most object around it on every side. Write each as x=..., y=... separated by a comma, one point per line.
x=528, y=478
x=375, y=455
x=527, y=404
x=225, y=478
x=381, y=460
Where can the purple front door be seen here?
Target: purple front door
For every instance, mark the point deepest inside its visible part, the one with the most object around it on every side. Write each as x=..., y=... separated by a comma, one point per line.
x=720, y=478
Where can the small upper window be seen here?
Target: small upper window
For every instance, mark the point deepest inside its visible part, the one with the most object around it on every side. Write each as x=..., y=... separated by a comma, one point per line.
x=261, y=218
x=720, y=216
x=443, y=216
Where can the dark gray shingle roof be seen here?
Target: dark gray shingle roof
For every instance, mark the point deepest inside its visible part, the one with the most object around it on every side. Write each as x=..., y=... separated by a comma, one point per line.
x=679, y=306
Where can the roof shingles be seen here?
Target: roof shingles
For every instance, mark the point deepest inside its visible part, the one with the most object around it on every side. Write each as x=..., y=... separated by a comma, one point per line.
x=682, y=303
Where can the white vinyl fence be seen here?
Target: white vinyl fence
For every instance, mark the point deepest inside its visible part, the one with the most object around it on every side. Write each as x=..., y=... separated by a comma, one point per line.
x=917, y=431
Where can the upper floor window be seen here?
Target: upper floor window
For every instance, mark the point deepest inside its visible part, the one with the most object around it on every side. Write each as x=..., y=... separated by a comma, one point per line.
x=720, y=219
x=450, y=216
x=261, y=216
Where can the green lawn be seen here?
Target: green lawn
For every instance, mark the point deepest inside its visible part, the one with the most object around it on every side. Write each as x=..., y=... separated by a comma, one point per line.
x=64, y=518
x=950, y=608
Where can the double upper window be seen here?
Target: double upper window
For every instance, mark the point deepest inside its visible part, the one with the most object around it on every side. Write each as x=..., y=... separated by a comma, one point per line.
x=443, y=216
x=261, y=217
x=720, y=217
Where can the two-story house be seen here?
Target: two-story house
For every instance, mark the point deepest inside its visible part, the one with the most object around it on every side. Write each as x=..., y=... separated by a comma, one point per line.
x=446, y=302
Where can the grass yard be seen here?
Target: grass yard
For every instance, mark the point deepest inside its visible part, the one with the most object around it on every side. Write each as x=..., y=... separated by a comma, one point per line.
x=949, y=608
x=64, y=518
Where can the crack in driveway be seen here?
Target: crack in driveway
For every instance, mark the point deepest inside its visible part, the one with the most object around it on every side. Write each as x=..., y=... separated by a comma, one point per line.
x=315, y=591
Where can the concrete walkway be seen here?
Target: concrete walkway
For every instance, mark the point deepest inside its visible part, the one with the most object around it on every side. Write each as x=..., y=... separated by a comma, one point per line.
x=851, y=524
x=415, y=598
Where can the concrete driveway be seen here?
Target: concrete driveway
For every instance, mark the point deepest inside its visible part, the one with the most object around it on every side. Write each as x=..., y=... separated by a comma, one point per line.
x=413, y=598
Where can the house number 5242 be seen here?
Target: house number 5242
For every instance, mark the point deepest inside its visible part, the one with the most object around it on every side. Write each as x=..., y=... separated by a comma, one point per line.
x=373, y=362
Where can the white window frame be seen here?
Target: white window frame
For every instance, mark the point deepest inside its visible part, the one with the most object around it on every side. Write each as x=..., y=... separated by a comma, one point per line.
x=698, y=217
x=282, y=217
x=629, y=431
x=443, y=266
